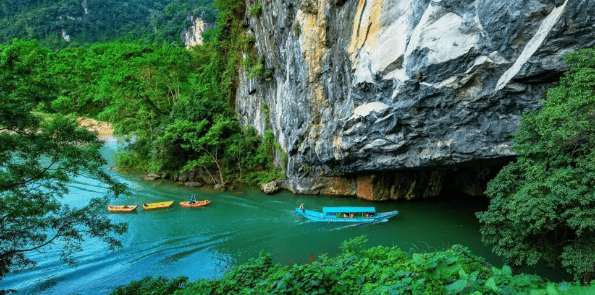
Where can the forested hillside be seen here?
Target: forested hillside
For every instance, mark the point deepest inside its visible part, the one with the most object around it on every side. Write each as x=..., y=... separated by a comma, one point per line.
x=90, y=21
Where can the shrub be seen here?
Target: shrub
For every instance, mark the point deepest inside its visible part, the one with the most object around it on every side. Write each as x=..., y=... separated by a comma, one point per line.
x=297, y=29
x=255, y=10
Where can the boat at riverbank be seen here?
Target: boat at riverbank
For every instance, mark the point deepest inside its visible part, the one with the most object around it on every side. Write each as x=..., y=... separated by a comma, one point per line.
x=124, y=208
x=196, y=204
x=159, y=205
x=346, y=214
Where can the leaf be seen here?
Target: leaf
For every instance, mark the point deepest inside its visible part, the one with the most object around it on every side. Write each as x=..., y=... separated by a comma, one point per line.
x=551, y=289
x=491, y=283
x=463, y=274
x=451, y=260
x=506, y=270
x=457, y=286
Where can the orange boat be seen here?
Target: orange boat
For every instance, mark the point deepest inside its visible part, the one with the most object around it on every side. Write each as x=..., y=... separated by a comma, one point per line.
x=123, y=208
x=159, y=205
x=197, y=204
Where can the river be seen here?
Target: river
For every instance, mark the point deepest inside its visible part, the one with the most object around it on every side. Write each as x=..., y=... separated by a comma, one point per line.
x=236, y=226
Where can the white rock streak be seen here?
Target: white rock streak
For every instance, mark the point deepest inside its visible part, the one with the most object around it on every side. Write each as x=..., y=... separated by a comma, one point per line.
x=65, y=36
x=366, y=109
x=445, y=40
x=531, y=47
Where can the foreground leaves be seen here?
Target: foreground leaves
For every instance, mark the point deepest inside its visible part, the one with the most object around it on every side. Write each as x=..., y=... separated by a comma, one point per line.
x=378, y=270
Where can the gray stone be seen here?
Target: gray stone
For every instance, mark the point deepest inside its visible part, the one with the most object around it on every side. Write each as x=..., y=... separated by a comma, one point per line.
x=270, y=188
x=370, y=87
x=153, y=176
x=192, y=184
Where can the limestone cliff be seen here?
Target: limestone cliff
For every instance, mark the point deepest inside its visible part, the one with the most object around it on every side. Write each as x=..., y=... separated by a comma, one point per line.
x=192, y=35
x=390, y=99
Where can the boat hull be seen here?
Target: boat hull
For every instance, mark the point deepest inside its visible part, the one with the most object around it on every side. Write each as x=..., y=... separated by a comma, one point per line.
x=319, y=217
x=197, y=204
x=124, y=208
x=159, y=205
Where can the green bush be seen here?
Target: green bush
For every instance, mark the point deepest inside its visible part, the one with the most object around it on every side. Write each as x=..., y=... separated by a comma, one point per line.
x=149, y=285
x=255, y=10
x=297, y=29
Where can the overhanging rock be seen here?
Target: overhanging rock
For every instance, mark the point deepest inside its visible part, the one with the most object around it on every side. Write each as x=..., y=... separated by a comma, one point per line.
x=372, y=88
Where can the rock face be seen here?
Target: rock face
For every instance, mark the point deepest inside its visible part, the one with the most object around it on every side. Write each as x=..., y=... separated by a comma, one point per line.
x=270, y=188
x=192, y=35
x=382, y=99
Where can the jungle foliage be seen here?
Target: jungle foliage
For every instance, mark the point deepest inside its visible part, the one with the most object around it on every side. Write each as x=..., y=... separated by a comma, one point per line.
x=542, y=205
x=174, y=105
x=39, y=155
x=91, y=21
x=378, y=270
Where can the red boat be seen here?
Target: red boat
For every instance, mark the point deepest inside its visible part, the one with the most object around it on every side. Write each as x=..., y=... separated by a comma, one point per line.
x=197, y=204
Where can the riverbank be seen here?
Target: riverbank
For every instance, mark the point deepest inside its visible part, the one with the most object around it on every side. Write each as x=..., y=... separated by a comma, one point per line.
x=103, y=129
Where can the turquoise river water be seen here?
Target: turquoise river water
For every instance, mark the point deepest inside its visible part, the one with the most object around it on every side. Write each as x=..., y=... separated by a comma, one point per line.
x=236, y=226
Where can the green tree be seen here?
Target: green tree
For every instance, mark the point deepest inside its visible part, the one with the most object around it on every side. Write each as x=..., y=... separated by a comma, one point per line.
x=38, y=157
x=208, y=140
x=91, y=21
x=542, y=206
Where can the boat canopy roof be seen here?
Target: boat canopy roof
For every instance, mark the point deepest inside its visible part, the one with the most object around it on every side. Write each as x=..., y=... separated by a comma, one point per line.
x=348, y=209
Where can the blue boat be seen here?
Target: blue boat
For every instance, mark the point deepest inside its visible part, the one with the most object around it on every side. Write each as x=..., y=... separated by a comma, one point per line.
x=346, y=214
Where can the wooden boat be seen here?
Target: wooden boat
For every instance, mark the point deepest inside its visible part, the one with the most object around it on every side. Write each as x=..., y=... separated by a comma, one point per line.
x=123, y=208
x=197, y=204
x=346, y=214
x=159, y=205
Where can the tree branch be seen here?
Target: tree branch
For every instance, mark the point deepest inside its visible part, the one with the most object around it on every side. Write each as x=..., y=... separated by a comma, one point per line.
x=30, y=179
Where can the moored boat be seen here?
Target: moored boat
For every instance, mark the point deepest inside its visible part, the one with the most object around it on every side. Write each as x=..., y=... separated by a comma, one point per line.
x=159, y=205
x=346, y=214
x=196, y=204
x=122, y=208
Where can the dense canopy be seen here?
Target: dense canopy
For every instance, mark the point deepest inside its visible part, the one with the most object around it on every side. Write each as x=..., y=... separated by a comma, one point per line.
x=543, y=205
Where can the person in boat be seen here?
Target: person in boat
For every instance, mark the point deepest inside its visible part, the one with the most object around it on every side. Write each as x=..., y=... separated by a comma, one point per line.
x=192, y=200
x=302, y=207
x=351, y=215
x=345, y=215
